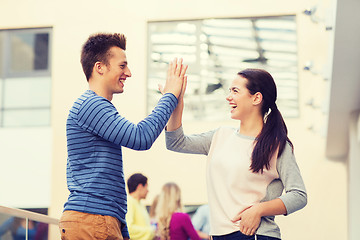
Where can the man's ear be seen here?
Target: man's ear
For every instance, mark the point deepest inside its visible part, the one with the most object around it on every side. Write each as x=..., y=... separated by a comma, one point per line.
x=257, y=98
x=138, y=187
x=99, y=68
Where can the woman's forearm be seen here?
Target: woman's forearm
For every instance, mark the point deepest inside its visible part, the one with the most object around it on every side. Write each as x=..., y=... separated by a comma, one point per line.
x=272, y=208
x=175, y=120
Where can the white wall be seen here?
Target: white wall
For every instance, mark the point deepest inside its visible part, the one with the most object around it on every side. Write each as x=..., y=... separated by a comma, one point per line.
x=25, y=163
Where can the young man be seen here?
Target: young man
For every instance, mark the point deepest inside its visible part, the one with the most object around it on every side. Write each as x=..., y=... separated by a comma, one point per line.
x=137, y=217
x=95, y=131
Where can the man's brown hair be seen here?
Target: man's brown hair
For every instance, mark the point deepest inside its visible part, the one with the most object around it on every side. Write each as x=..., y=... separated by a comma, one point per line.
x=96, y=49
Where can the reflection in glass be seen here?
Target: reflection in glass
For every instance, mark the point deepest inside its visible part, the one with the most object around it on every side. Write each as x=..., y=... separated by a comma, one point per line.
x=25, y=77
x=1, y=53
x=29, y=51
x=215, y=50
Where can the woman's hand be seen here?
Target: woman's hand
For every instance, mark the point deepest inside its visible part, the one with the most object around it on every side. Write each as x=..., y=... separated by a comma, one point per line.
x=251, y=216
x=250, y=219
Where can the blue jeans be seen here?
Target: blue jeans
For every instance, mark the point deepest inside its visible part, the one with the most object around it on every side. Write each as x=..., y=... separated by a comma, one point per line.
x=239, y=236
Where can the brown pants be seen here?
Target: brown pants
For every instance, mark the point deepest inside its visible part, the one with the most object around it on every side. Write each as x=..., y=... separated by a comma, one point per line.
x=78, y=226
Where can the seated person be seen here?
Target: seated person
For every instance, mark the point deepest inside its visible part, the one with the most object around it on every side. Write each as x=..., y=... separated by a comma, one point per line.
x=200, y=220
x=173, y=223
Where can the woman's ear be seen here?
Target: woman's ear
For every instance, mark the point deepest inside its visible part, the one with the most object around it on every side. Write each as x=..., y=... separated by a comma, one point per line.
x=257, y=98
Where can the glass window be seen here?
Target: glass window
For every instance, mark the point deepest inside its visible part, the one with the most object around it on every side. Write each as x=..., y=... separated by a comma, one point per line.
x=26, y=118
x=31, y=92
x=25, y=79
x=1, y=99
x=215, y=50
x=1, y=55
x=29, y=51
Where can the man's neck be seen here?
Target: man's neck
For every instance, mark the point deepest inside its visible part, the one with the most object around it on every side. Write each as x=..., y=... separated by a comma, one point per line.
x=135, y=196
x=99, y=89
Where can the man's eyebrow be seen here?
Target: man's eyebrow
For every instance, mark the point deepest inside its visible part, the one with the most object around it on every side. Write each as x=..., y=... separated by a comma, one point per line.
x=124, y=62
x=232, y=88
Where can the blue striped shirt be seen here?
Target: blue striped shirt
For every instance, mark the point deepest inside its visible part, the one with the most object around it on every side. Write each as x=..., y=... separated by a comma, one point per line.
x=95, y=134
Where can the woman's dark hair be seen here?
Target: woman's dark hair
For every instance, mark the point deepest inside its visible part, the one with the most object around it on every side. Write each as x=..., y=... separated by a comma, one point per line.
x=134, y=180
x=96, y=49
x=273, y=135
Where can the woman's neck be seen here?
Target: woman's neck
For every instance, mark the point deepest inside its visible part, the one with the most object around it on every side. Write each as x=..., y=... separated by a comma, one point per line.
x=251, y=127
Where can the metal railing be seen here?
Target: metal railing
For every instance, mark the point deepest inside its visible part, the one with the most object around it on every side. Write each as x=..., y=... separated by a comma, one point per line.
x=25, y=223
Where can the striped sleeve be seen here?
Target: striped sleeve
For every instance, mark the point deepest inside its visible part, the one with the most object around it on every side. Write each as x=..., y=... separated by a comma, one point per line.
x=98, y=116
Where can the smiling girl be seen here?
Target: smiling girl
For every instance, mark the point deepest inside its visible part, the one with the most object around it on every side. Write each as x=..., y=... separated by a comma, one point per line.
x=247, y=167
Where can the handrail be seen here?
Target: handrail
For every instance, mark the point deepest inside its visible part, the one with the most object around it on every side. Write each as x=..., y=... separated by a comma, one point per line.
x=30, y=215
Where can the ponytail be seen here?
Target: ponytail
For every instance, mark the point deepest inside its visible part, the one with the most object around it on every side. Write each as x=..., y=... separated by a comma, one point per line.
x=273, y=137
